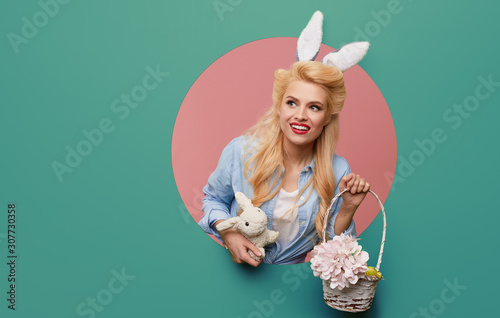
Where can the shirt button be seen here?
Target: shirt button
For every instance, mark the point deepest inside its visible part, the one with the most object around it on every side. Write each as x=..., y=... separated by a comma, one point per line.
x=302, y=223
x=307, y=169
x=301, y=198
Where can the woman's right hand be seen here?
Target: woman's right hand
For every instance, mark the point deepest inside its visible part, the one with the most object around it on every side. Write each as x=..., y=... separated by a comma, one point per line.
x=238, y=247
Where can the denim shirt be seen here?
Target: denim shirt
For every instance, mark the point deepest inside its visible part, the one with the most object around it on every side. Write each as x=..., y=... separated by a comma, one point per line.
x=228, y=178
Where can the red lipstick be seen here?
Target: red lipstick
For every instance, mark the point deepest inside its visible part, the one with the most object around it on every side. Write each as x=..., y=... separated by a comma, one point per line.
x=299, y=129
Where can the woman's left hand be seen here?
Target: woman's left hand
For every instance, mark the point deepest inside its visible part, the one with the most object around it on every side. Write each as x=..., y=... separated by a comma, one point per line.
x=357, y=190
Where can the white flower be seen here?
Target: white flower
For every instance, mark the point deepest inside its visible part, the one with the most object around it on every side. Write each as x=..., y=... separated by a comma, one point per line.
x=340, y=261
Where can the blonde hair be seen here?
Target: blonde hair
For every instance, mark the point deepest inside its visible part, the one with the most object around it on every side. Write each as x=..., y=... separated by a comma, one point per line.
x=265, y=161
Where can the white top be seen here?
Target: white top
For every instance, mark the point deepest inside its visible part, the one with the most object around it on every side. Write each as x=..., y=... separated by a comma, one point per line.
x=288, y=220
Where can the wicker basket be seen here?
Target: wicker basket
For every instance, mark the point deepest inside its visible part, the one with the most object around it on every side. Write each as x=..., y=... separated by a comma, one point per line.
x=357, y=297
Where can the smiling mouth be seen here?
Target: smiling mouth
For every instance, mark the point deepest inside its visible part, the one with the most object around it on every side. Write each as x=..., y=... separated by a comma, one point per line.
x=299, y=128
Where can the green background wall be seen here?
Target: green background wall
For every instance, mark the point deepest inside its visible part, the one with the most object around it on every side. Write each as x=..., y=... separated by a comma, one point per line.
x=119, y=214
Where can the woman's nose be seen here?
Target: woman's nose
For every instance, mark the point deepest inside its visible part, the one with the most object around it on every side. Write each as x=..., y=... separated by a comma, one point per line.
x=301, y=113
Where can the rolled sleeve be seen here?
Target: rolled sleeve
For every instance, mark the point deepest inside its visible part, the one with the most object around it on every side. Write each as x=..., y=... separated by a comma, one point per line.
x=219, y=192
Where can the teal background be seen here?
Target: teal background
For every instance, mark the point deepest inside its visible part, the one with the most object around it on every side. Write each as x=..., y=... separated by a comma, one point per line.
x=120, y=207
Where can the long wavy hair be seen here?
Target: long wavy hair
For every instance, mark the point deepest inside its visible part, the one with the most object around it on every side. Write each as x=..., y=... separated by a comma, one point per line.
x=265, y=161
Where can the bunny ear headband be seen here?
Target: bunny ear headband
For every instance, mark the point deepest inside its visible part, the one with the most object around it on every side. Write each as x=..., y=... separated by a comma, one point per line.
x=309, y=44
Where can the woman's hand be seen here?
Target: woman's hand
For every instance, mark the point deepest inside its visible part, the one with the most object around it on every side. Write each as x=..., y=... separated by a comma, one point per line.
x=351, y=199
x=357, y=190
x=238, y=247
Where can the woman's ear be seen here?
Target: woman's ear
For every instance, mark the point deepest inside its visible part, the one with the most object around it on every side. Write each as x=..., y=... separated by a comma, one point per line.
x=328, y=120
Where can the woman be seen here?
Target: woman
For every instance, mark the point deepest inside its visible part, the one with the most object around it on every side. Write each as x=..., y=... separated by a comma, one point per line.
x=287, y=165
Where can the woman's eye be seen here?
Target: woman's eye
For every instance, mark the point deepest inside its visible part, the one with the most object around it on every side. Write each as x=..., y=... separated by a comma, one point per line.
x=291, y=103
x=314, y=107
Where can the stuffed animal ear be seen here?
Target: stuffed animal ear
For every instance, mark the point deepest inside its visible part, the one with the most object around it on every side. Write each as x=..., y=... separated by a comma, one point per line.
x=347, y=56
x=309, y=41
x=227, y=224
x=242, y=200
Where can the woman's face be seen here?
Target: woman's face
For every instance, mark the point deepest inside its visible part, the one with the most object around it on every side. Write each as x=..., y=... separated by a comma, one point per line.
x=303, y=113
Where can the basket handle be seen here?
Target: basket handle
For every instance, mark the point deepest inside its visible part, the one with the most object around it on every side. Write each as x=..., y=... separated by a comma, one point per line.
x=325, y=223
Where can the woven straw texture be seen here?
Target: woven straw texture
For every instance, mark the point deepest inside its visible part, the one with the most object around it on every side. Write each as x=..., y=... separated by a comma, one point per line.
x=354, y=299
x=358, y=297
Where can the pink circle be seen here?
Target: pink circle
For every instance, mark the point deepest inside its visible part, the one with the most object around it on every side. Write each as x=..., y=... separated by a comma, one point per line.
x=235, y=90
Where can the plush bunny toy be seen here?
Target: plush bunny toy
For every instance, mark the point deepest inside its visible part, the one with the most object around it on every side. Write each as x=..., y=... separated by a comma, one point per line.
x=252, y=223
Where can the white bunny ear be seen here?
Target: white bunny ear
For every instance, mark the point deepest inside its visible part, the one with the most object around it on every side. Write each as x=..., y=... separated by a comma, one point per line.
x=309, y=41
x=242, y=200
x=347, y=56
